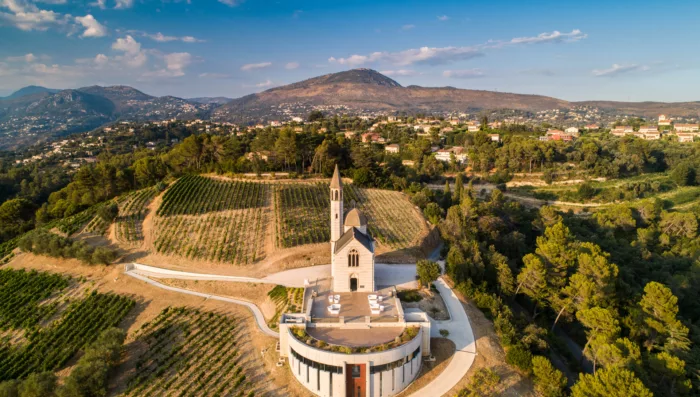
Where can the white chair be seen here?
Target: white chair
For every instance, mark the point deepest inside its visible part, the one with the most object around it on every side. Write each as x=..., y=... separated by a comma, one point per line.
x=330, y=298
x=334, y=309
x=374, y=305
x=377, y=310
x=336, y=299
x=372, y=297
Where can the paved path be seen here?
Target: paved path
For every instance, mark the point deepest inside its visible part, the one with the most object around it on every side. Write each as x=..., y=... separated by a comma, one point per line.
x=465, y=346
x=399, y=275
x=259, y=318
x=458, y=325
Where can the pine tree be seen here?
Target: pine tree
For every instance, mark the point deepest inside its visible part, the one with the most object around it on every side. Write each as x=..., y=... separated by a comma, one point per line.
x=549, y=381
x=658, y=322
x=602, y=328
x=610, y=382
x=532, y=279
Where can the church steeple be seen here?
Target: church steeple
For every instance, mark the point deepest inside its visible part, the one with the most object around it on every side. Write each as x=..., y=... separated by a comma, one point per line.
x=336, y=191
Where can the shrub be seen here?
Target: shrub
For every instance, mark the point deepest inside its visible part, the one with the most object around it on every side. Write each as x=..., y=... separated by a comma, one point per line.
x=519, y=357
x=444, y=333
x=428, y=271
x=483, y=384
x=410, y=296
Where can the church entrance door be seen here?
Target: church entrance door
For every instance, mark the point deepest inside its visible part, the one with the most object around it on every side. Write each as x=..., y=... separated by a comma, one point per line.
x=353, y=284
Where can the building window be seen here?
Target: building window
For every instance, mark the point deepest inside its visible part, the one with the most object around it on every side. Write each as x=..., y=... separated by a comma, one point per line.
x=356, y=371
x=353, y=259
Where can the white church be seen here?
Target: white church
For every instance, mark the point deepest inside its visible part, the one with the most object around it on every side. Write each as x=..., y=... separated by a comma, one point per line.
x=352, y=337
x=352, y=248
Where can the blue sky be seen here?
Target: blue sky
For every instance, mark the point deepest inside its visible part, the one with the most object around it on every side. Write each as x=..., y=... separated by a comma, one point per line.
x=574, y=50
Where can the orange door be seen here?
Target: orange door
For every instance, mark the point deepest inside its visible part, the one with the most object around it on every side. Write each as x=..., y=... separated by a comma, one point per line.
x=355, y=379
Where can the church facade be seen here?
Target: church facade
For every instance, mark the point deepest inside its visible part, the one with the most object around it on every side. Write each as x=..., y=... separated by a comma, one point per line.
x=352, y=247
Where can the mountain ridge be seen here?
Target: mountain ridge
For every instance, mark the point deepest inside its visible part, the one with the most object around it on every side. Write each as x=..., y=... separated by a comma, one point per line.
x=35, y=113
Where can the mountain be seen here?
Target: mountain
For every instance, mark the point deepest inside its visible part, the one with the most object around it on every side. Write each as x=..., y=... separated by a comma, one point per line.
x=30, y=90
x=370, y=91
x=218, y=100
x=39, y=113
x=365, y=90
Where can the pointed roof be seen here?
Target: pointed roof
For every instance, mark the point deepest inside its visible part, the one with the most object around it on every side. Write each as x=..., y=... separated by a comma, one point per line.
x=336, y=183
x=354, y=234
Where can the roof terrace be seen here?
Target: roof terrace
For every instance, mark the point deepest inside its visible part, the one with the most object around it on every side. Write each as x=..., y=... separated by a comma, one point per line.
x=352, y=306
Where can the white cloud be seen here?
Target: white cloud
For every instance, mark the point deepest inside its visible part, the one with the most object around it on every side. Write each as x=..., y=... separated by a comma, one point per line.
x=27, y=16
x=160, y=37
x=92, y=27
x=214, y=76
x=297, y=13
x=28, y=58
x=101, y=60
x=176, y=62
x=555, y=36
x=443, y=55
x=133, y=55
x=443, y=18
x=264, y=84
x=231, y=3
x=99, y=3
x=400, y=72
x=408, y=27
x=425, y=55
x=253, y=66
x=123, y=4
x=127, y=44
x=617, y=69
x=463, y=74
x=291, y=65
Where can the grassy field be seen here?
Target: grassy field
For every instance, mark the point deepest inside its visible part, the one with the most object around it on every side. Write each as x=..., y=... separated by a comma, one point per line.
x=614, y=190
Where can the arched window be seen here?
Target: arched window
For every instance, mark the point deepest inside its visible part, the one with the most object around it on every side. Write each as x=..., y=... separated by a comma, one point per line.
x=353, y=258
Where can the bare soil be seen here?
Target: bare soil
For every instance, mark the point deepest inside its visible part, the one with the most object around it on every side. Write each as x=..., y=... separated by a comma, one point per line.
x=440, y=348
x=255, y=293
x=431, y=303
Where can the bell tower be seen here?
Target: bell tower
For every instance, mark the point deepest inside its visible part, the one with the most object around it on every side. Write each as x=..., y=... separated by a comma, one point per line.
x=336, y=190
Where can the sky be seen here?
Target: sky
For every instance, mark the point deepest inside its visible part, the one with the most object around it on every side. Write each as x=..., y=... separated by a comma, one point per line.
x=575, y=50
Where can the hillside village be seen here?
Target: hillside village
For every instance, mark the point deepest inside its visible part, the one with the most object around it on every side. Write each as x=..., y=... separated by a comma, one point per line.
x=82, y=148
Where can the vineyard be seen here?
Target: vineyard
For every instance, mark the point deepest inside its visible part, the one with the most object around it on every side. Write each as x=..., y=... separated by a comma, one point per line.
x=51, y=347
x=20, y=295
x=191, y=353
x=390, y=216
x=204, y=218
x=132, y=211
x=227, y=221
x=303, y=211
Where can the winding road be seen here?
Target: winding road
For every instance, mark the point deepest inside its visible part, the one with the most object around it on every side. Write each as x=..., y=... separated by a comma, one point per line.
x=404, y=275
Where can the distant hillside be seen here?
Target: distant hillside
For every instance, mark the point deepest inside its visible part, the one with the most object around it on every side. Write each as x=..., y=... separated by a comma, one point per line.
x=371, y=91
x=219, y=100
x=30, y=90
x=648, y=109
x=42, y=113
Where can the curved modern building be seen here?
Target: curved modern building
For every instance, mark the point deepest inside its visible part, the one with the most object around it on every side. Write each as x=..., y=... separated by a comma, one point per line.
x=353, y=338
